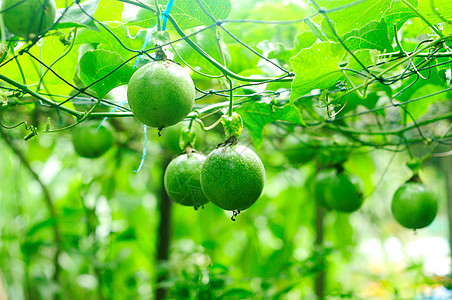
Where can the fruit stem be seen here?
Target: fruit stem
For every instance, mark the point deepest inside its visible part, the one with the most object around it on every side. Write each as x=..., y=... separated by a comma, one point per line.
x=158, y=14
x=160, y=54
x=415, y=178
x=339, y=169
x=231, y=95
x=229, y=142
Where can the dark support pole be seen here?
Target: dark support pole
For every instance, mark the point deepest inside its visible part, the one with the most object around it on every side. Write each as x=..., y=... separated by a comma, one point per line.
x=164, y=233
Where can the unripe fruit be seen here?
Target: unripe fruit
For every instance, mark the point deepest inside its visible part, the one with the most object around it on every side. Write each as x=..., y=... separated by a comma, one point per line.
x=338, y=190
x=322, y=181
x=343, y=193
x=92, y=141
x=299, y=150
x=233, y=177
x=161, y=94
x=413, y=206
x=28, y=18
x=182, y=180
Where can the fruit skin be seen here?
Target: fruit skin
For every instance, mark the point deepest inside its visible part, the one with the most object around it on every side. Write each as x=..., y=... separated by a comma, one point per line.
x=322, y=181
x=29, y=18
x=182, y=180
x=161, y=93
x=91, y=142
x=338, y=190
x=413, y=206
x=298, y=151
x=233, y=177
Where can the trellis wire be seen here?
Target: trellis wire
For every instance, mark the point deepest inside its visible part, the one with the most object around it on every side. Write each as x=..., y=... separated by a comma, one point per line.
x=409, y=70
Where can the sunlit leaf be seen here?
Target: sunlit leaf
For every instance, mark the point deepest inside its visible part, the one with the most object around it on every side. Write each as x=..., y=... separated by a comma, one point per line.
x=258, y=114
x=316, y=68
x=105, y=65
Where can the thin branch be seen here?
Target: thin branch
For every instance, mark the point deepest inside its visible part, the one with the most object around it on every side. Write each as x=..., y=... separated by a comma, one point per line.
x=47, y=197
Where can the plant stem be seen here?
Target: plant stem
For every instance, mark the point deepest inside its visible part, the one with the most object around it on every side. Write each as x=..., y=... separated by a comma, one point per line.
x=407, y=58
x=395, y=131
x=410, y=6
x=159, y=13
x=231, y=96
x=26, y=90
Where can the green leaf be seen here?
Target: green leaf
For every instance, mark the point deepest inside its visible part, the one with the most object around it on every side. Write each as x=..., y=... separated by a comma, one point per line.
x=398, y=14
x=436, y=11
x=107, y=40
x=301, y=41
x=419, y=108
x=79, y=15
x=109, y=11
x=187, y=13
x=364, y=56
x=208, y=42
x=315, y=30
x=372, y=36
x=52, y=48
x=316, y=68
x=96, y=64
x=352, y=14
x=446, y=64
x=256, y=115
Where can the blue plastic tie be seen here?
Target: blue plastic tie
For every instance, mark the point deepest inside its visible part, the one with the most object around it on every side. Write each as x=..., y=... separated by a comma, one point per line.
x=145, y=44
x=113, y=110
x=143, y=156
x=166, y=13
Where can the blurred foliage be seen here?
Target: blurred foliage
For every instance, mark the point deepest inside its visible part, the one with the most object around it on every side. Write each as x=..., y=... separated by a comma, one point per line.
x=107, y=215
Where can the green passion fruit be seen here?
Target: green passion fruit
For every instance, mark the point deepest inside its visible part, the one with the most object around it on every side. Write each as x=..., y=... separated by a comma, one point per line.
x=182, y=180
x=332, y=154
x=233, y=177
x=413, y=206
x=298, y=151
x=28, y=18
x=321, y=182
x=92, y=141
x=161, y=94
x=338, y=190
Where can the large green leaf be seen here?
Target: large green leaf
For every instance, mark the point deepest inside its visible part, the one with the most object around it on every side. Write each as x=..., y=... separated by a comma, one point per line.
x=96, y=64
x=258, y=114
x=398, y=14
x=372, y=36
x=208, y=42
x=436, y=11
x=301, y=41
x=316, y=67
x=50, y=49
x=79, y=15
x=419, y=108
x=353, y=14
x=106, y=39
x=109, y=11
x=187, y=13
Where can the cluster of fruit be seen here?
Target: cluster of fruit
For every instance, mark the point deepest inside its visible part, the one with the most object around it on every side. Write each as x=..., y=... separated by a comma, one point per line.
x=413, y=206
x=161, y=94
x=231, y=177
